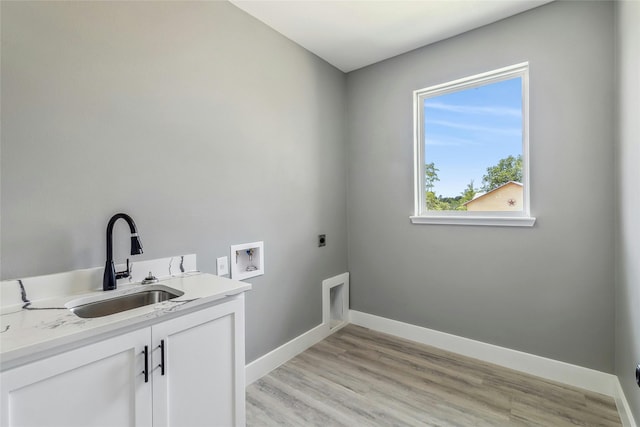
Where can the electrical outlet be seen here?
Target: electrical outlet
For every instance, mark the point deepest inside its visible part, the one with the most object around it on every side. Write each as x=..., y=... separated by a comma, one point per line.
x=322, y=240
x=222, y=266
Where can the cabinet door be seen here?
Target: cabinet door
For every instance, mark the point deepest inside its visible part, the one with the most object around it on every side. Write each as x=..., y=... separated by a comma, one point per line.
x=203, y=381
x=97, y=385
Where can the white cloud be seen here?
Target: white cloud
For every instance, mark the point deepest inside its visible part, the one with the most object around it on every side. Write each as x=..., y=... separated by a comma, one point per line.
x=472, y=109
x=450, y=141
x=475, y=128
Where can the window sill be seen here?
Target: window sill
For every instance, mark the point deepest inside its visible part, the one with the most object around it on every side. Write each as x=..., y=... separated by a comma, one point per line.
x=479, y=220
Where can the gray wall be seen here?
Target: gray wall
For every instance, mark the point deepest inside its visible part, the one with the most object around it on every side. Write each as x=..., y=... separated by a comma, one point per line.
x=210, y=129
x=205, y=125
x=546, y=290
x=627, y=350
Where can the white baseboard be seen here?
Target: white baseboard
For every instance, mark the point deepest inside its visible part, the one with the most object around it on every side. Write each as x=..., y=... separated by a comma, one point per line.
x=550, y=369
x=270, y=361
x=554, y=370
x=623, y=406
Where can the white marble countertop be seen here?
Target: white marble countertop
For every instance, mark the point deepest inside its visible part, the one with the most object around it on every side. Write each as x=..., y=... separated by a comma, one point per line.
x=46, y=326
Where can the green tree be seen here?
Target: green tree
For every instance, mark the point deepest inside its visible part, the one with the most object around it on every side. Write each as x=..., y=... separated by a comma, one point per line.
x=435, y=203
x=507, y=169
x=430, y=176
x=449, y=203
x=467, y=195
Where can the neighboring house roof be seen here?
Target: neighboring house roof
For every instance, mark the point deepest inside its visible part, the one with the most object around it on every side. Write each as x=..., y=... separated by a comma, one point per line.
x=480, y=195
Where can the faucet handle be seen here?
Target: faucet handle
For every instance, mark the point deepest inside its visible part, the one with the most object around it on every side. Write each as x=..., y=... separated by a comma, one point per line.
x=125, y=273
x=130, y=269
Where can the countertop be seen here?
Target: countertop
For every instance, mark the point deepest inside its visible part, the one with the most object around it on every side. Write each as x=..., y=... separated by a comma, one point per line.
x=46, y=326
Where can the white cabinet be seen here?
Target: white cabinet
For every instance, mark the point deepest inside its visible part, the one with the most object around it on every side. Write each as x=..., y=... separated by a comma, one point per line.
x=199, y=382
x=98, y=385
x=203, y=380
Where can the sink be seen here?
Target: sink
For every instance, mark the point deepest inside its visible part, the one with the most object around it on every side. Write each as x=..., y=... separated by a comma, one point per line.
x=101, y=306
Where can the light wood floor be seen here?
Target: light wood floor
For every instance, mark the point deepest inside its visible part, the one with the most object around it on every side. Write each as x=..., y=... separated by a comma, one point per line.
x=358, y=377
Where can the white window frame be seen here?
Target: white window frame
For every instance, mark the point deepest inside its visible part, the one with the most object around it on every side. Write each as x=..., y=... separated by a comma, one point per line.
x=492, y=218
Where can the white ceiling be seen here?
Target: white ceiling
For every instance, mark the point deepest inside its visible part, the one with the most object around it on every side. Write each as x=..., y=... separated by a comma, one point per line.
x=351, y=34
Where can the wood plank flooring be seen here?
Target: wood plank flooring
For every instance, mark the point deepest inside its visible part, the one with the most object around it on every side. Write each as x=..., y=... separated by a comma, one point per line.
x=358, y=377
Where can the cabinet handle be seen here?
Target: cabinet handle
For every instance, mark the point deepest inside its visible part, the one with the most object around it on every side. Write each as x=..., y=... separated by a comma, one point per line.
x=146, y=364
x=161, y=357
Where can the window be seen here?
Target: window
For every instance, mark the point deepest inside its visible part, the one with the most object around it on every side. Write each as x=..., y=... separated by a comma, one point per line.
x=472, y=150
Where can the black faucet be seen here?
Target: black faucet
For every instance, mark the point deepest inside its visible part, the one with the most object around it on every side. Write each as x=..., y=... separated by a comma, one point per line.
x=110, y=275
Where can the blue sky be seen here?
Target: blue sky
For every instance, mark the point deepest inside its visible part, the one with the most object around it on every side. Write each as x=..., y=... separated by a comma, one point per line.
x=469, y=130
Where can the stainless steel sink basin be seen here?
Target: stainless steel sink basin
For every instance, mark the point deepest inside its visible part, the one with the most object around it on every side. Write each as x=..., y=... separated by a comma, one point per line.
x=105, y=306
